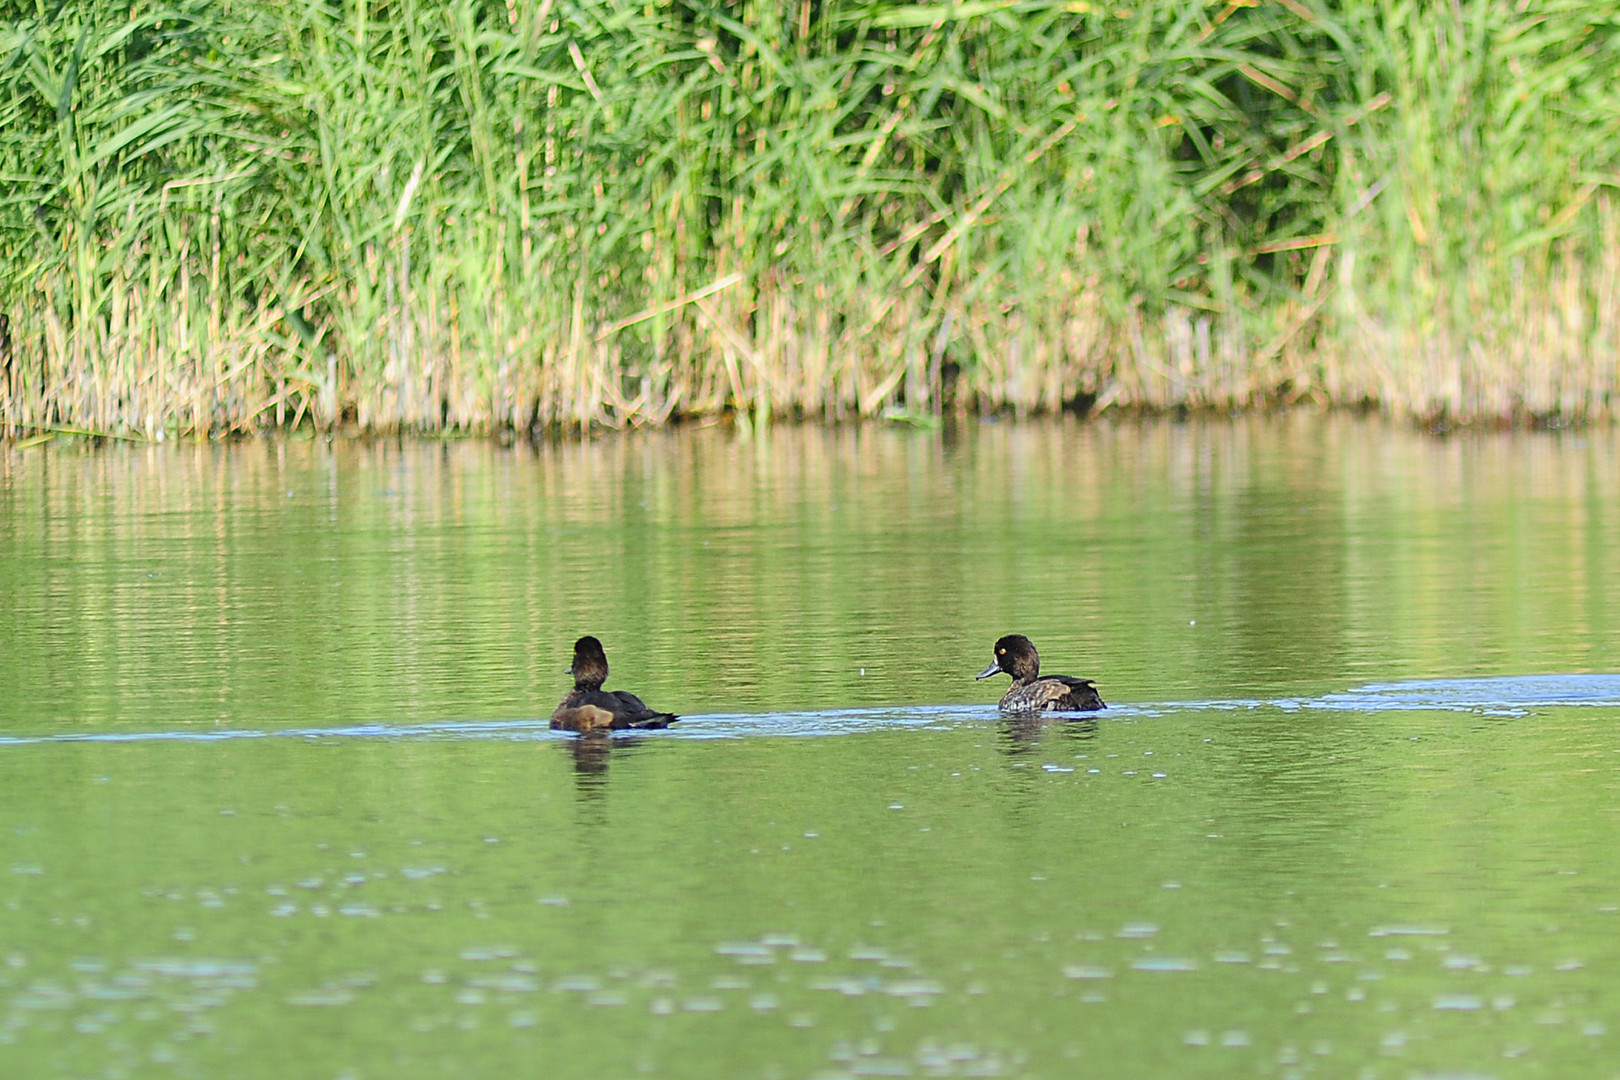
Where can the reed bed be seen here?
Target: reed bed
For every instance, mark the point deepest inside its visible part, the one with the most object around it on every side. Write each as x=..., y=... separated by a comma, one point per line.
x=227, y=215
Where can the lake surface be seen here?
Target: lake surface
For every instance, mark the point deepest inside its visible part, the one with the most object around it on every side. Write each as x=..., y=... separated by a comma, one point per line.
x=277, y=796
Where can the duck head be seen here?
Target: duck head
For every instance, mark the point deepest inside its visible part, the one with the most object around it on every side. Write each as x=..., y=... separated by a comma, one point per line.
x=1014, y=654
x=590, y=666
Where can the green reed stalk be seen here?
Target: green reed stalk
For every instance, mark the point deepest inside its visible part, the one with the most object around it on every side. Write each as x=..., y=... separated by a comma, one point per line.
x=479, y=214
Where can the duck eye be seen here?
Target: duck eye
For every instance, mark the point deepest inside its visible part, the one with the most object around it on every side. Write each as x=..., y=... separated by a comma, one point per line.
x=1003, y=652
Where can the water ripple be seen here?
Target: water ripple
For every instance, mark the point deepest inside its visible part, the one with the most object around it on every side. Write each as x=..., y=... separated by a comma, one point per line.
x=1512, y=694
x=1508, y=696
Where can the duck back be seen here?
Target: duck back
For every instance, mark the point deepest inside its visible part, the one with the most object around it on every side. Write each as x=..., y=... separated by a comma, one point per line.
x=607, y=710
x=1061, y=693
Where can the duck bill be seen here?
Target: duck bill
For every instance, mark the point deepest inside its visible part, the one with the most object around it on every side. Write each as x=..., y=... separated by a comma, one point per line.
x=993, y=669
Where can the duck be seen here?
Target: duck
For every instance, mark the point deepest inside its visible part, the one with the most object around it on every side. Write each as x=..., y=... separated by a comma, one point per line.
x=1031, y=692
x=589, y=708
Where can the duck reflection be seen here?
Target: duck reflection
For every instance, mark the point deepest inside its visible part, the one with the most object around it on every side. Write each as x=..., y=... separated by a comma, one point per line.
x=591, y=753
x=1023, y=736
x=1028, y=745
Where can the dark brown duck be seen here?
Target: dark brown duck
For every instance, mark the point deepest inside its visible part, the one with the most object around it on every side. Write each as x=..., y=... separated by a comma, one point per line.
x=1032, y=692
x=590, y=708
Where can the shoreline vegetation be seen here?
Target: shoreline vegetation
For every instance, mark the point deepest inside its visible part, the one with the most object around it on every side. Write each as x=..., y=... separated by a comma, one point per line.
x=534, y=215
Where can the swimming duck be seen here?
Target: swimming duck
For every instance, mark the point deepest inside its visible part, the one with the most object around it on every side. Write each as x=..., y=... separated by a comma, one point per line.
x=590, y=708
x=1030, y=691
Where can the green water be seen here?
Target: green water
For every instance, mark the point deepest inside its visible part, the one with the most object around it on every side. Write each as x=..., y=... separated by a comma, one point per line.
x=277, y=798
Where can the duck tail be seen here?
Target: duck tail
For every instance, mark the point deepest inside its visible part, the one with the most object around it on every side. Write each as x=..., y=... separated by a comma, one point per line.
x=652, y=721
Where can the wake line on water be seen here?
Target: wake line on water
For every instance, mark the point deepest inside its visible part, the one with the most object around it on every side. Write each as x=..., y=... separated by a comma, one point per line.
x=711, y=726
x=1506, y=697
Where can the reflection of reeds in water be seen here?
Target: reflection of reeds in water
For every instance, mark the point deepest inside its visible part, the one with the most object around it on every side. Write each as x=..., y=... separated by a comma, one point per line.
x=469, y=216
x=420, y=581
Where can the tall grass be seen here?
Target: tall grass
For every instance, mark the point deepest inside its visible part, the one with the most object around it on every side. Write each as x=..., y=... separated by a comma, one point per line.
x=219, y=215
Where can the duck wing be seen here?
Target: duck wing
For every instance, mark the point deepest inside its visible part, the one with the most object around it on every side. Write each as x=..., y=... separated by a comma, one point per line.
x=634, y=713
x=1082, y=695
x=1069, y=694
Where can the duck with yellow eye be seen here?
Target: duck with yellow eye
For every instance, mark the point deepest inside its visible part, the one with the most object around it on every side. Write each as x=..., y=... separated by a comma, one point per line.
x=1033, y=693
